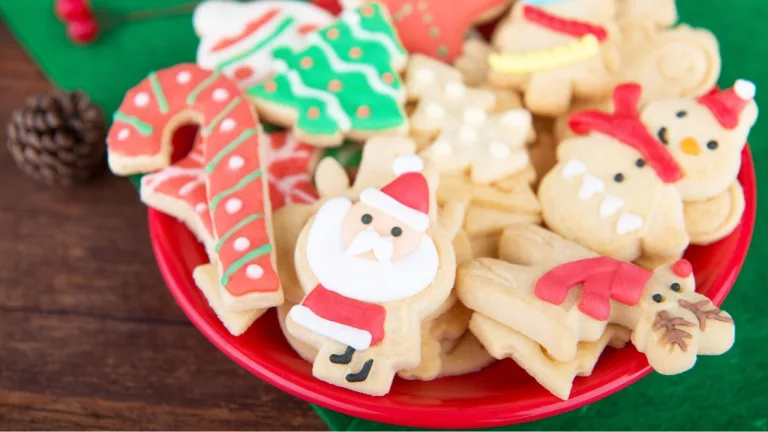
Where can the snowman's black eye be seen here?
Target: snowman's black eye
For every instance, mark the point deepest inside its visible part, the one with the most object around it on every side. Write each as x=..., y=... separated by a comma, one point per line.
x=640, y=163
x=396, y=232
x=662, y=135
x=681, y=114
x=712, y=145
x=618, y=178
x=658, y=298
x=675, y=287
x=366, y=219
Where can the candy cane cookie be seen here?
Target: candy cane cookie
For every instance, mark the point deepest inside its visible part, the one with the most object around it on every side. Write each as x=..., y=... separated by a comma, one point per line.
x=236, y=192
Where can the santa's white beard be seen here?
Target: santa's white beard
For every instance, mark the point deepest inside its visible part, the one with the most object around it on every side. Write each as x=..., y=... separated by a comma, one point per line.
x=359, y=278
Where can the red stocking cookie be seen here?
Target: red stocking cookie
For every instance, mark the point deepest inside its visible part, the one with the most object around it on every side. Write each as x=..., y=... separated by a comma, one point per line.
x=139, y=141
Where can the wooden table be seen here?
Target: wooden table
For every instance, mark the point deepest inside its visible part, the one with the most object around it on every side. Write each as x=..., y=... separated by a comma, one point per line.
x=89, y=336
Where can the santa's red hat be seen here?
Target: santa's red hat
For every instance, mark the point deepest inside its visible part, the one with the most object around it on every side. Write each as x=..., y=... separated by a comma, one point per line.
x=405, y=198
x=625, y=125
x=727, y=105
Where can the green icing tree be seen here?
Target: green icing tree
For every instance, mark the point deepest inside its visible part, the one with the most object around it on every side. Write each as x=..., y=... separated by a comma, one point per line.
x=345, y=79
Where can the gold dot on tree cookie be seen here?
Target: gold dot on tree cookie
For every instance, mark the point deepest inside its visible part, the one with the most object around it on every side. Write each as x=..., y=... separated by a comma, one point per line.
x=313, y=113
x=332, y=33
x=306, y=62
x=355, y=52
x=270, y=87
x=366, y=11
x=334, y=85
x=363, y=111
x=387, y=78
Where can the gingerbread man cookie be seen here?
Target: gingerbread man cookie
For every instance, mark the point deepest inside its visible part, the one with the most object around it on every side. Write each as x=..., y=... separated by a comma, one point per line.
x=344, y=83
x=238, y=38
x=556, y=52
x=613, y=189
x=373, y=270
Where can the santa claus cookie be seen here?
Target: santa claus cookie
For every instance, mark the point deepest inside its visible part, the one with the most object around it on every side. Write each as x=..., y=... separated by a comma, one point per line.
x=238, y=38
x=706, y=136
x=523, y=310
x=373, y=270
x=344, y=83
x=613, y=189
x=236, y=195
x=556, y=52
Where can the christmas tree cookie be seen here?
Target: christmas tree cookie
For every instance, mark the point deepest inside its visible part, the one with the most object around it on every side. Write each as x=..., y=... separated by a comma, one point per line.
x=343, y=84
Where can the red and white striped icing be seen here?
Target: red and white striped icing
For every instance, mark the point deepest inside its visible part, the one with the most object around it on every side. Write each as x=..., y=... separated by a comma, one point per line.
x=289, y=160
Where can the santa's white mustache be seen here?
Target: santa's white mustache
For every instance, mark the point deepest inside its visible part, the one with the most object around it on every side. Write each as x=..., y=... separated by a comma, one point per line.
x=369, y=239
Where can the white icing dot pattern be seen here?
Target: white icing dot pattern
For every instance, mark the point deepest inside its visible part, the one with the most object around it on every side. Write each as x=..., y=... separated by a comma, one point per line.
x=235, y=162
x=241, y=244
x=183, y=77
x=233, y=205
x=200, y=207
x=254, y=271
x=141, y=99
x=220, y=95
x=474, y=116
x=499, y=150
x=123, y=134
x=435, y=111
x=455, y=90
x=227, y=125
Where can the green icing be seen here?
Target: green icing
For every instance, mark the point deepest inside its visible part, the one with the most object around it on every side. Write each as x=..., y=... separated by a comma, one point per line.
x=241, y=184
x=281, y=28
x=237, y=227
x=200, y=87
x=162, y=103
x=301, y=88
x=348, y=154
x=220, y=116
x=143, y=128
x=237, y=265
x=226, y=150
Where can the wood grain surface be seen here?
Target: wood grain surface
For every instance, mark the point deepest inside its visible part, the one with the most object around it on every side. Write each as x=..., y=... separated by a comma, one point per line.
x=89, y=336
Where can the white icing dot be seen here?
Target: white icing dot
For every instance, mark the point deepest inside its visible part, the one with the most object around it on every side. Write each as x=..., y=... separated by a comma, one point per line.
x=200, y=207
x=455, y=90
x=235, y=162
x=517, y=118
x=233, y=205
x=227, y=125
x=468, y=134
x=441, y=147
x=220, y=95
x=425, y=75
x=241, y=244
x=141, y=99
x=183, y=77
x=254, y=271
x=499, y=150
x=123, y=134
x=474, y=116
x=435, y=111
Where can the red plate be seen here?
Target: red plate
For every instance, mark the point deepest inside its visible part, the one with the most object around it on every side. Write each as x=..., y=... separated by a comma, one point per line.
x=500, y=395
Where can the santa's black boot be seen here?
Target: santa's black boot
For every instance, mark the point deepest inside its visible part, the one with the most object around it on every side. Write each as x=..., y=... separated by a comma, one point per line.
x=342, y=358
x=363, y=374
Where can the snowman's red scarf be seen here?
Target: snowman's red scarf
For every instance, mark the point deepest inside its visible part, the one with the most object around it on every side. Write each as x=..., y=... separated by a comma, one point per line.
x=350, y=312
x=603, y=279
x=625, y=125
x=574, y=28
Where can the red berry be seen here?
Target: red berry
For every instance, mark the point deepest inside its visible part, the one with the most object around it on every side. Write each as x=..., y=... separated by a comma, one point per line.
x=70, y=10
x=83, y=31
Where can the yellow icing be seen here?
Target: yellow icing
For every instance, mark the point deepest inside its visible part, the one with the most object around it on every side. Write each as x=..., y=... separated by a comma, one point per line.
x=574, y=52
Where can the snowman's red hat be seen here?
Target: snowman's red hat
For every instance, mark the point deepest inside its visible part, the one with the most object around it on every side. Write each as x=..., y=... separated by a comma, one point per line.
x=727, y=105
x=405, y=198
x=625, y=126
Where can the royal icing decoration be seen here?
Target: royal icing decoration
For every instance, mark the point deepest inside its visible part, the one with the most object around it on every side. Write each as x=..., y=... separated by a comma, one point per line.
x=436, y=27
x=603, y=279
x=238, y=38
x=235, y=188
x=344, y=81
x=288, y=170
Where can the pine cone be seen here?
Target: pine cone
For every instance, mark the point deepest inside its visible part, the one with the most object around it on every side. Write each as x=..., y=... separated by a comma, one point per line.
x=58, y=138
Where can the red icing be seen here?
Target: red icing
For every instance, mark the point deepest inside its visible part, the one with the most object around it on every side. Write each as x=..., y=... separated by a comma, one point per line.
x=307, y=28
x=411, y=190
x=725, y=105
x=565, y=26
x=243, y=72
x=350, y=312
x=289, y=167
x=682, y=268
x=250, y=28
x=603, y=279
x=216, y=101
x=451, y=19
x=625, y=125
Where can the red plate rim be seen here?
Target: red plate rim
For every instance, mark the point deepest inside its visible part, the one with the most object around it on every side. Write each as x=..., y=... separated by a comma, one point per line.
x=435, y=416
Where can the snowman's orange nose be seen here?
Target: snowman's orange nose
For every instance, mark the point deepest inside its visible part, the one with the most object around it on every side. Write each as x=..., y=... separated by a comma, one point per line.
x=690, y=146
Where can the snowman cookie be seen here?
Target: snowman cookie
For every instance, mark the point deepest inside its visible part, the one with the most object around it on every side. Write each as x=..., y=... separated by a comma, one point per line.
x=237, y=38
x=613, y=189
x=706, y=136
x=556, y=52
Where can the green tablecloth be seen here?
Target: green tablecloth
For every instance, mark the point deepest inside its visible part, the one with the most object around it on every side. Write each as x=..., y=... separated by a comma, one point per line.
x=729, y=392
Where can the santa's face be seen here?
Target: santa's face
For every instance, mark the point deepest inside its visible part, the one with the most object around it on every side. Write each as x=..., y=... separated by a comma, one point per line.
x=709, y=155
x=365, y=254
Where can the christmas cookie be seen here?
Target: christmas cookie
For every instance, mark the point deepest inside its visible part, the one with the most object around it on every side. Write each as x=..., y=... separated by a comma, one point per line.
x=613, y=189
x=473, y=62
x=238, y=38
x=465, y=356
x=236, y=193
x=289, y=167
x=556, y=52
x=344, y=83
x=373, y=270
x=659, y=13
x=521, y=310
x=436, y=28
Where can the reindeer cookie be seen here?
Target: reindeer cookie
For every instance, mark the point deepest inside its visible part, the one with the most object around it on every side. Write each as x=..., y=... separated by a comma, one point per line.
x=556, y=52
x=373, y=270
x=561, y=306
x=613, y=189
x=706, y=136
